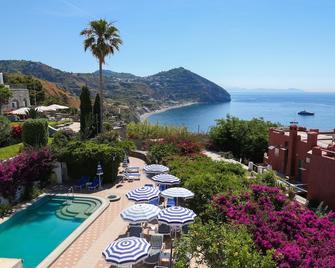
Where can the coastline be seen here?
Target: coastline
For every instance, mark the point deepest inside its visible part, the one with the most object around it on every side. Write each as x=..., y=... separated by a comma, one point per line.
x=145, y=116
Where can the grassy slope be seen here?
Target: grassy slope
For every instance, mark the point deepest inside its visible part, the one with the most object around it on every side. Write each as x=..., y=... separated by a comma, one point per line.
x=10, y=151
x=13, y=150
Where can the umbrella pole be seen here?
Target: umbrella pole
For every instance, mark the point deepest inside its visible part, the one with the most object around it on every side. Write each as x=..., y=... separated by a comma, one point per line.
x=172, y=247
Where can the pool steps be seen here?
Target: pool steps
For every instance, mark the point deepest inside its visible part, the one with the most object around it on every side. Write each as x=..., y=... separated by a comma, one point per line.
x=78, y=208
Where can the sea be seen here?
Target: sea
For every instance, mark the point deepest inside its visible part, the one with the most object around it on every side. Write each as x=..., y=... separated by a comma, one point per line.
x=281, y=107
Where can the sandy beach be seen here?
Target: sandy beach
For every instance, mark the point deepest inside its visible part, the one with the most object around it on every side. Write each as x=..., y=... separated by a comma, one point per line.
x=145, y=116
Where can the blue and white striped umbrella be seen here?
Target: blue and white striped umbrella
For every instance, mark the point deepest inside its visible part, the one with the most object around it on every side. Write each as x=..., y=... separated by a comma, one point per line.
x=139, y=213
x=143, y=194
x=155, y=168
x=129, y=250
x=167, y=179
x=176, y=216
x=99, y=170
x=177, y=192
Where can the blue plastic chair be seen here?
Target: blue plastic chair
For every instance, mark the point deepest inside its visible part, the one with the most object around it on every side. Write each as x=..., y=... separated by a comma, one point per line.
x=82, y=182
x=171, y=202
x=94, y=185
x=154, y=202
x=162, y=187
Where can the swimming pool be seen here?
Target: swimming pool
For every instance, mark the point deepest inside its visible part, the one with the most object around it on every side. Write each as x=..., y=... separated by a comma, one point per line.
x=33, y=233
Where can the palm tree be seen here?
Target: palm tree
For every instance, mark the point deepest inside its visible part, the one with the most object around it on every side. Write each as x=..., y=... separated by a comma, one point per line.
x=103, y=39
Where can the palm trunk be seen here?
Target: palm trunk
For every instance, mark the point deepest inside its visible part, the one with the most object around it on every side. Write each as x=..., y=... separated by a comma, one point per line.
x=101, y=98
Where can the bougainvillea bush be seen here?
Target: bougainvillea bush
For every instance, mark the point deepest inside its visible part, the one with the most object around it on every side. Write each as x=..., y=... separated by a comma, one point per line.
x=16, y=132
x=23, y=170
x=299, y=237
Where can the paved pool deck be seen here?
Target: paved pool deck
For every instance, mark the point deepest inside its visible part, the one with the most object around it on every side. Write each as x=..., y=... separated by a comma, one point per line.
x=86, y=250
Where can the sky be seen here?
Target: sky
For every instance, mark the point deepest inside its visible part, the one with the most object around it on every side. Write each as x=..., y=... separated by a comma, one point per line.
x=235, y=43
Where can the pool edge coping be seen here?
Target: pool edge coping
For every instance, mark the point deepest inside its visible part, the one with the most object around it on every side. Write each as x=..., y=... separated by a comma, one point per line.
x=67, y=242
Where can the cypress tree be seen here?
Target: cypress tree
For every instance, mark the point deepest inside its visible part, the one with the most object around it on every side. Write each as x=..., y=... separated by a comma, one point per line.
x=85, y=112
x=96, y=114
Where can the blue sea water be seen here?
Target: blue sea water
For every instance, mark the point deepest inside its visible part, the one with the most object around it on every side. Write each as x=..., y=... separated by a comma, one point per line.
x=279, y=107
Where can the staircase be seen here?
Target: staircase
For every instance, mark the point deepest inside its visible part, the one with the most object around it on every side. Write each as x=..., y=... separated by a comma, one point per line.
x=77, y=208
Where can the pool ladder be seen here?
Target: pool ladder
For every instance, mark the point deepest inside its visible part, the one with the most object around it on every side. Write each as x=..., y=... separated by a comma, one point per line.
x=70, y=194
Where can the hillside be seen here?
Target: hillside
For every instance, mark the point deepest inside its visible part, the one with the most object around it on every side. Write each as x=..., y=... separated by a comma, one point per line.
x=176, y=85
x=52, y=90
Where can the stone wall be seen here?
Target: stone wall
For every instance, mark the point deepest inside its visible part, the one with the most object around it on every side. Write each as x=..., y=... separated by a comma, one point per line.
x=19, y=99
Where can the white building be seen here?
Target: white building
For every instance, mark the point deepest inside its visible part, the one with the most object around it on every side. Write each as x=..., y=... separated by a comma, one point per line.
x=19, y=99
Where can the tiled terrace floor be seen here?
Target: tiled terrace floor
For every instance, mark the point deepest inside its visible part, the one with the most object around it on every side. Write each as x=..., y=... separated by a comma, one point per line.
x=86, y=250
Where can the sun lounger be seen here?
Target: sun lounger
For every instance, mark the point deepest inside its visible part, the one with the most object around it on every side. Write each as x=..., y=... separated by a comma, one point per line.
x=82, y=182
x=132, y=176
x=132, y=169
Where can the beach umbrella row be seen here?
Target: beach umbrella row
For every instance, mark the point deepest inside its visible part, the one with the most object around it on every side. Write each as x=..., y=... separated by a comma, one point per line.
x=147, y=193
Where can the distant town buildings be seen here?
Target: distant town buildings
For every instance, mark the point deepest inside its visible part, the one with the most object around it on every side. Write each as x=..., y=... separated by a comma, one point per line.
x=19, y=99
x=307, y=158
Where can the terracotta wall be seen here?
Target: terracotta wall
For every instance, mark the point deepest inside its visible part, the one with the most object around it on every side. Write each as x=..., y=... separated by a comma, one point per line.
x=304, y=160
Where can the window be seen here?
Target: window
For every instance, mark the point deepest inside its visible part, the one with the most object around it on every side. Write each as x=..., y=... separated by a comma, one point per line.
x=15, y=104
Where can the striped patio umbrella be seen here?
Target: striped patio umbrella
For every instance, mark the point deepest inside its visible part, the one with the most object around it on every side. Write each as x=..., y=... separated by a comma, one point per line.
x=176, y=216
x=143, y=194
x=166, y=179
x=139, y=213
x=155, y=168
x=99, y=173
x=127, y=251
x=99, y=170
x=177, y=192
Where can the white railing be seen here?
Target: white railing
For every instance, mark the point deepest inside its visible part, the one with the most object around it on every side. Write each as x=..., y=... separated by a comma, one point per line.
x=261, y=169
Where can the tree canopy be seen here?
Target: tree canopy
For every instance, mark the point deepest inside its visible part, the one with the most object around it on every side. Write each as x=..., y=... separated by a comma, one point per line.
x=85, y=112
x=246, y=139
x=5, y=94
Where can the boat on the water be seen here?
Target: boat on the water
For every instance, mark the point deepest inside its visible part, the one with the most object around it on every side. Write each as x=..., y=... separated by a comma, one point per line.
x=304, y=112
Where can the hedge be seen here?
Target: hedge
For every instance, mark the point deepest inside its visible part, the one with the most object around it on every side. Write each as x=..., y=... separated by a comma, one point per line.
x=82, y=159
x=35, y=133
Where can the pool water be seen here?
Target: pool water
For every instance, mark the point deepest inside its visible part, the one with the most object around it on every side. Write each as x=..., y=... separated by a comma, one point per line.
x=35, y=232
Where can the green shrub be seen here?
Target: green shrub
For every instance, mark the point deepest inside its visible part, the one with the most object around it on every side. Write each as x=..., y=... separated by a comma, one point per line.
x=206, y=178
x=145, y=130
x=4, y=130
x=269, y=178
x=82, y=158
x=35, y=133
x=161, y=150
x=107, y=137
x=33, y=113
x=60, y=140
x=245, y=139
x=221, y=246
x=5, y=209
